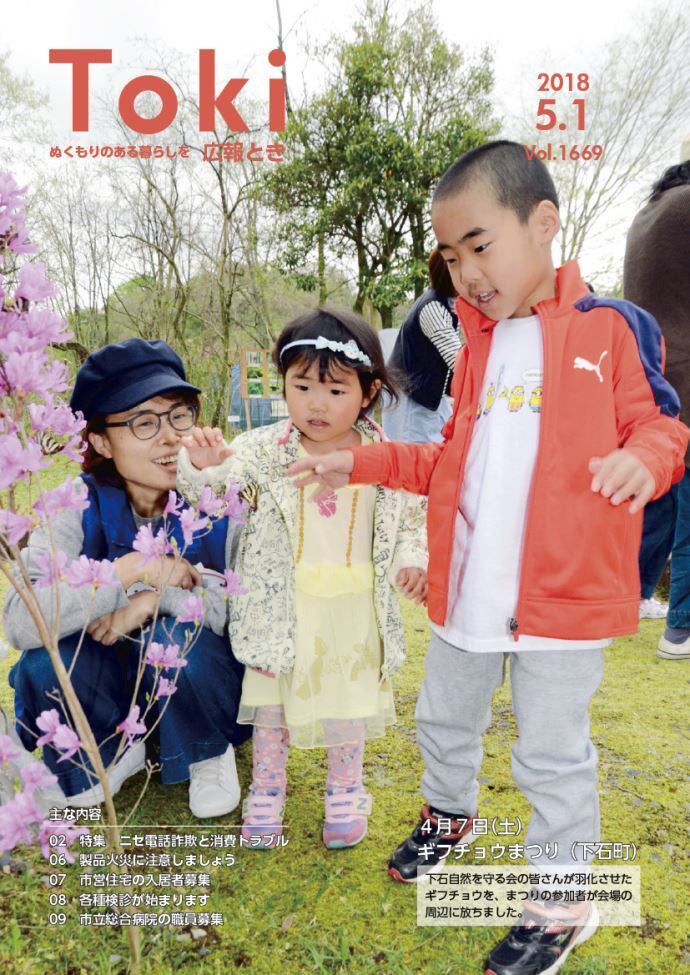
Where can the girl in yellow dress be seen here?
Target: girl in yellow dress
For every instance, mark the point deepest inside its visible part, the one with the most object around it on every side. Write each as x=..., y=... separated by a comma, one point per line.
x=318, y=624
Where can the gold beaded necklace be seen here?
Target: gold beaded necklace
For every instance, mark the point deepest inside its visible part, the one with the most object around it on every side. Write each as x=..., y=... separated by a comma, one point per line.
x=350, y=527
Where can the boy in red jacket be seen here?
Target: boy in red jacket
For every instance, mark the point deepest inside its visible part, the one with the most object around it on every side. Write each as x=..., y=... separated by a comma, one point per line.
x=563, y=429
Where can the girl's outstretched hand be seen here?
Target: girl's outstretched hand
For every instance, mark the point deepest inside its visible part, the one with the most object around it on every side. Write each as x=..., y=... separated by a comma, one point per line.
x=413, y=584
x=331, y=471
x=206, y=447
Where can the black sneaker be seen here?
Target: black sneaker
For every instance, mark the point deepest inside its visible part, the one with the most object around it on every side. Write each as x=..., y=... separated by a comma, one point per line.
x=539, y=949
x=429, y=844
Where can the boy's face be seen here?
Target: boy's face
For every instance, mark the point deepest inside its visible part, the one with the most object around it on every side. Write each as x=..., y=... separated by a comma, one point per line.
x=499, y=265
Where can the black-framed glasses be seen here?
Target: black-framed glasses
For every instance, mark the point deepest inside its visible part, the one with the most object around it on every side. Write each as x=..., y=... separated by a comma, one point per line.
x=145, y=425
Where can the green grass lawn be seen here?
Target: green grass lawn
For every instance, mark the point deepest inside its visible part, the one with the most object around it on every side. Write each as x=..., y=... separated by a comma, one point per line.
x=304, y=909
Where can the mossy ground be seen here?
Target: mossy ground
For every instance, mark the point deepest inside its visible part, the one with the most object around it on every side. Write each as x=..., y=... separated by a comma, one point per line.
x=303, y=909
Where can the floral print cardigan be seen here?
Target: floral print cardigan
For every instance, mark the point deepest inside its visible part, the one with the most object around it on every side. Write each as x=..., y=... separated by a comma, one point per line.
x=262, y=622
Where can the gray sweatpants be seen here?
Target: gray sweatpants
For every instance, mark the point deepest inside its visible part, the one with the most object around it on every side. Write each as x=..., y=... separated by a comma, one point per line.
x=554, y=762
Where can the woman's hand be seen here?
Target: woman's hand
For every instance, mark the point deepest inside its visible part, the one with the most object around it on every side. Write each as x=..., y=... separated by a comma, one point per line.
x=206, y=447
x=113, y=626
x=168, y=571
x=413, y=584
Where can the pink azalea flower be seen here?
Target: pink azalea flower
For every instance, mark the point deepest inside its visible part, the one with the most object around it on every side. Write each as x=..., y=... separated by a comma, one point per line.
x=172, y=659
x=74, y=449
x=17, y=460
x=35, y=775
x=191, y=610
x=164, y=687
x=71, y=833
x=56, y=734
x=69, y=496
x=208, y=503
x=236, y=508
x=8, y=750
x=49, y=722
x=103, y=573
x=132, y=726
x=174, y=506
x=32, y=372
x=56, y=378
x=32, y=331
x=232, y=584
x=18, y=239
x=66, y=741
x=33, y=284
x=16, y=816
x=155, y=655
x=191, y=524
x=51, y=568
x=44, y=327
x=90, y=572
x=59, y=419
x=14, y=527
x=151, y=546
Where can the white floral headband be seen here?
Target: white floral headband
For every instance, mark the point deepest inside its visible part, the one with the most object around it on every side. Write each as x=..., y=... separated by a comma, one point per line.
x=349, y=349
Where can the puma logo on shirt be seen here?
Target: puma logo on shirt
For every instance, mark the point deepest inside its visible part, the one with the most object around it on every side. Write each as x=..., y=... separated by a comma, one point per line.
x=581, y=363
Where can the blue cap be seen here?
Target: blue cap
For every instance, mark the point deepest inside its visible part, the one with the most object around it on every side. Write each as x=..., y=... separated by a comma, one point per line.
x=123, y=374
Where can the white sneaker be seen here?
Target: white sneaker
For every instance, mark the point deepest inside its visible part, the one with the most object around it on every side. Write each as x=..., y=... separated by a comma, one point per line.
x=131, y=762
x=673, y=651
x=653, y=609
x=214, y=788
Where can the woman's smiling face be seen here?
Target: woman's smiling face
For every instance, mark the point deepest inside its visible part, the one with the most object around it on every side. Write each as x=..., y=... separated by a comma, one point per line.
x=147, y=467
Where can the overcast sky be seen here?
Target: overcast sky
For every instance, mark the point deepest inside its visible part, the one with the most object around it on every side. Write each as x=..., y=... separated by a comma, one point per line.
x=526, y=38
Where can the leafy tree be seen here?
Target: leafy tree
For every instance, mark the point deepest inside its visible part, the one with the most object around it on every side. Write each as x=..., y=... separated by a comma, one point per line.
x=401, y=106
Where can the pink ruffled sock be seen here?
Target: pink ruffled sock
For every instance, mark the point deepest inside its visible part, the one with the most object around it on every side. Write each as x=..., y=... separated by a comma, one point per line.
x=345, y=756
x=263, y=808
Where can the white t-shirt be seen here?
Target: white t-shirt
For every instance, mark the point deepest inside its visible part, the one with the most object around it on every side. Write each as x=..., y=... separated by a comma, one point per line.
x=489, y=527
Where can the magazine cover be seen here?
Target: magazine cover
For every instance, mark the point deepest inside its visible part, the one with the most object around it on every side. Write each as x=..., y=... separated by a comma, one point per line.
x=344, y=507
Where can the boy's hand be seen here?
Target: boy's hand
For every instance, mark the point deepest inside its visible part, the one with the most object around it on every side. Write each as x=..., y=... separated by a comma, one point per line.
x=206, y=447
x=621, y=476
x=412, y=582
x=331, y=471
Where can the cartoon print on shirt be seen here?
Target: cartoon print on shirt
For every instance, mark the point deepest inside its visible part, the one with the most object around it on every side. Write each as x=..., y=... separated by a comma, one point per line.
x=581, y=363
x=517, y=399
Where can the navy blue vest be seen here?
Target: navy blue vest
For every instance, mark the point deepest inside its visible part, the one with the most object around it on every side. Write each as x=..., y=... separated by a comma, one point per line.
x=109, y=529
x=425, y=377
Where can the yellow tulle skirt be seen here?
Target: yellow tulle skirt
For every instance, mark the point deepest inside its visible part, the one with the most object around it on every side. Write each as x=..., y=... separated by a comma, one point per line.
x=338, y=655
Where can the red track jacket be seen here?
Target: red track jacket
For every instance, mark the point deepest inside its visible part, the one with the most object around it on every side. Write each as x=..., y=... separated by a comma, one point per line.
x=579, y=576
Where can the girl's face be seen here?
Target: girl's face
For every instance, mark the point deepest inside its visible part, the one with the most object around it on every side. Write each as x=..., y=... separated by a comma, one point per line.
x=324, y=412
x=147, y=467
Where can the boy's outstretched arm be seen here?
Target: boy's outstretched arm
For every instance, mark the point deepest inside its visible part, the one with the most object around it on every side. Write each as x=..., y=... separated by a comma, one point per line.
x=400, y=466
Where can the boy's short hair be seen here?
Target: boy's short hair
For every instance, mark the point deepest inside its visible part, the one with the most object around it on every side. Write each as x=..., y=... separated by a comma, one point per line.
x=519, y=183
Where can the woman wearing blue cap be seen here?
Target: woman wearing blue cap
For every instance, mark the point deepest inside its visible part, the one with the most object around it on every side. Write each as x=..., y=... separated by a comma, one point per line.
x=138, y=404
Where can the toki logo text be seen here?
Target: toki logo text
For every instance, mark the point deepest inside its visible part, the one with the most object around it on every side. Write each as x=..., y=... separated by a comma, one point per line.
x=210, y=100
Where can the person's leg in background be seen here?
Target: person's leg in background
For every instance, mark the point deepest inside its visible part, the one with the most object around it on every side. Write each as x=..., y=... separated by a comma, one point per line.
x=675, y=643
x=657, y=541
